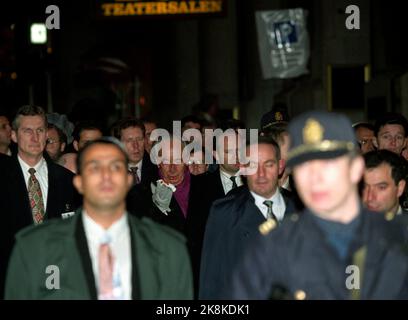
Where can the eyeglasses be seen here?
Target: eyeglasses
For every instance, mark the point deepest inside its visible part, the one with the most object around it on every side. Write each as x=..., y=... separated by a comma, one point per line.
x=389, y=137
x=364, y=141
x=52, y=141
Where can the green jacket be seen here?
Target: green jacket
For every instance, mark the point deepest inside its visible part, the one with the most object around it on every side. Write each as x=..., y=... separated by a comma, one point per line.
x=160, y=262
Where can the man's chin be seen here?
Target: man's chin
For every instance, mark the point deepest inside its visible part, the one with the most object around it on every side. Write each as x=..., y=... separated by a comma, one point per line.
x=107, y=204
x=375, y=209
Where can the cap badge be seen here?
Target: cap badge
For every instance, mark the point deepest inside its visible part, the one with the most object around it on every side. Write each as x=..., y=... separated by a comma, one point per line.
x=278, y=116
x=312, y=132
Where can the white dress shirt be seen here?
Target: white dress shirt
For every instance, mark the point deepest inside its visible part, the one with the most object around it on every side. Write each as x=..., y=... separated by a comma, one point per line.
x=41, y=173
x=139, y=168
x=227, y=183
x=119, y=236
x=278, y=206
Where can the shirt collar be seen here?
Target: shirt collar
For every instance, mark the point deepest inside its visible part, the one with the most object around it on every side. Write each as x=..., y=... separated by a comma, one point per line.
x=97, y=234
x=226, y=175
x=276, y=198
x=138, y=165
x=38, y=167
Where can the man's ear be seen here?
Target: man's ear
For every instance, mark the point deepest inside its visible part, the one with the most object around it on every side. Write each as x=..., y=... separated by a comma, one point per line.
x=14, y=136
x=76, y=146
x=401, y=187
x=282, y=165
x=375, y=142
x=63, y=145
x=77, y=181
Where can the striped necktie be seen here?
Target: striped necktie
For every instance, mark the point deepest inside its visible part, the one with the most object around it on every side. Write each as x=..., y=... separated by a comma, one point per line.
x=105, y=264
x=270, y=213
x=136, y=179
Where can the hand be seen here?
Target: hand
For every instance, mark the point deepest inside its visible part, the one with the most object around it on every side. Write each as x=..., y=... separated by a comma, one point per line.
x=162, y=194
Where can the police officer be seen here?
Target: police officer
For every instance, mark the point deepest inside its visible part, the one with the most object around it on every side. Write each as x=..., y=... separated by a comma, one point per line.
x=333, y=249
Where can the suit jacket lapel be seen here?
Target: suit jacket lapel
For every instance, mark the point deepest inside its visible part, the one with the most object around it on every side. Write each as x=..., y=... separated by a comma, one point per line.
x=249, y=216
x=135, y=268
x=217, y=185
x=83, y=250
x=137, y=256
x=52, y=187
x=20, y=189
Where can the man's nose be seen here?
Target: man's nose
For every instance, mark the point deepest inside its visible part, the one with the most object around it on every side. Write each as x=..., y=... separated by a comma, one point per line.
x=261, y=171
x=35, y=136
x=106, y=173
x=369, y=195
x=315, y=172
x=393, y=142
x=135, y=145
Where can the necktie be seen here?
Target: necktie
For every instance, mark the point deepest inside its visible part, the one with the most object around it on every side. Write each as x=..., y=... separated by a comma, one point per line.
x=234, y=182
x=136, y=179
x=270, y=213
x=105, y=272
x=36, y=198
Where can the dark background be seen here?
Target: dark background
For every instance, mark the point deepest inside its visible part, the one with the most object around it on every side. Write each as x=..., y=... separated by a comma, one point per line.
x=173, y=62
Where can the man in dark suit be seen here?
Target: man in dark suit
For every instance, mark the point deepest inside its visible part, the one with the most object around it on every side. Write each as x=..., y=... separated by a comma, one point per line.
x=102, y=252
x=234, y=220
x=335, y=249
x=217, y=184
x=131, y=132
x=30, y=198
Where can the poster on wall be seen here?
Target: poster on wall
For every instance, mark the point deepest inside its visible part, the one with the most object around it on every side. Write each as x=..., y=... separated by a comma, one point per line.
x=283, y=43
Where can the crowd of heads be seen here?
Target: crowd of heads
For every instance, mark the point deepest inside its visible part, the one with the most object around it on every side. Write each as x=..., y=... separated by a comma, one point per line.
x=383, y=144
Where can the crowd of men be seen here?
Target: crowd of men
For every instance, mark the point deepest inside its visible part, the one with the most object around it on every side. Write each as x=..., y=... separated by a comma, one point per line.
x=317, y=196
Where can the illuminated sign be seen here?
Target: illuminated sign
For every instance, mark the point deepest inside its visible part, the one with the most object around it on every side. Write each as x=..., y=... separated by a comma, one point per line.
x=138, y=8
x=38, y=33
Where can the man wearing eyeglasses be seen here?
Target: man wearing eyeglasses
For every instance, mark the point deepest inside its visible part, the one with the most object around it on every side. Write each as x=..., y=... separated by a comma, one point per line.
x=33, y=187
x=56, y=142
x=365, y=136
